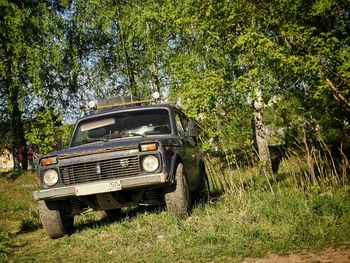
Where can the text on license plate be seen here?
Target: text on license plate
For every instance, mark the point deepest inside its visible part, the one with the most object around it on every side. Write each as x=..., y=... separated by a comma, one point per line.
x=115, y=185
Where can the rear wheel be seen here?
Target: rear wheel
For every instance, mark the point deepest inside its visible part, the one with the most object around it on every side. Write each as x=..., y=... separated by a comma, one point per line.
x=179, y=201
x=55, y=222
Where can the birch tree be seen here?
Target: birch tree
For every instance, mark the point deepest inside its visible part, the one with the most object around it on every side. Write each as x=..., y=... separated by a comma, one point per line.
x=31, y=68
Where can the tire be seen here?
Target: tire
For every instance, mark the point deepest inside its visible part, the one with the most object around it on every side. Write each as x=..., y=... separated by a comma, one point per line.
x=113, y=214
x=55, y=222
x=203, y=191
x=179, y=201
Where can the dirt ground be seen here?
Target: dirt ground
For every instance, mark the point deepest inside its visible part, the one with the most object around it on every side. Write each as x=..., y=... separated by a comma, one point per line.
x=331, y=255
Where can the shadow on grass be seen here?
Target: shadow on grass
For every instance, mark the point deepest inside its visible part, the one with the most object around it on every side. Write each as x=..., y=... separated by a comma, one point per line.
x=29, y=225
x=126, y=215
x=10, y=175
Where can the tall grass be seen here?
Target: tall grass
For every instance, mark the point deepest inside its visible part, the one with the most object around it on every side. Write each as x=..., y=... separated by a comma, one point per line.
x=308, y=168
x=318, y=167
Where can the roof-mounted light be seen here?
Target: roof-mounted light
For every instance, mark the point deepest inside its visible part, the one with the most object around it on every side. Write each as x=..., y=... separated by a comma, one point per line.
x=92, y=104
x=155, y=95
x=111, y=103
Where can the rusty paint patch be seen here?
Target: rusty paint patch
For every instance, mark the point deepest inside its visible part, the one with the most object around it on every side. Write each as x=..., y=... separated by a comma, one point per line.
x=89, y=152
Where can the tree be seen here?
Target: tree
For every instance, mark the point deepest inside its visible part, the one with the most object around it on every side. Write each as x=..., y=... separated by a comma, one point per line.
x=316, y=34
x=274, y=49
x=31, y=69
x=45, y=132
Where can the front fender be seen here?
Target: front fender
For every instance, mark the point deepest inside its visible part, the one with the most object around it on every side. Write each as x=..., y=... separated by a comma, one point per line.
x=174, y=160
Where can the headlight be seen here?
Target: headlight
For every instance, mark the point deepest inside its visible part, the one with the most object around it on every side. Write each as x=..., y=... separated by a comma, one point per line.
x=150, y=163
x=50, y=177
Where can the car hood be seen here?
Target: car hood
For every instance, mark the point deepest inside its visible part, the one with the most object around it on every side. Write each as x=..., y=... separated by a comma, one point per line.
x=110, y=146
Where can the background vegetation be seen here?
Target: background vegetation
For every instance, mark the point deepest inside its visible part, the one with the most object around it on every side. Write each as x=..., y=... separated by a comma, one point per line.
x=252, y=73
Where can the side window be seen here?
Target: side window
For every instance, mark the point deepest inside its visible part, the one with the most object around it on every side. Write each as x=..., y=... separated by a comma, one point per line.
x=179, y=125
x=184, y=122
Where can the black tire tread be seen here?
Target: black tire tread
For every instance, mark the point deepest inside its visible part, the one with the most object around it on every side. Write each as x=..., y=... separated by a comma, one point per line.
x=54, y=222
x=178, y=201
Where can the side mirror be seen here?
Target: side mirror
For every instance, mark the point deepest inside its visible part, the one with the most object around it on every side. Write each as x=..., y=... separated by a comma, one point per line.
x=192, y=129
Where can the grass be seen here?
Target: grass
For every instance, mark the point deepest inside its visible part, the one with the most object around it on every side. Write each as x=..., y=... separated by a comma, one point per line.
x=248, y=220
x=18, y=210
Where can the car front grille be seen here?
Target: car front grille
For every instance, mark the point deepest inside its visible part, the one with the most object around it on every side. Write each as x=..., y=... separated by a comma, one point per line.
x=95, y=171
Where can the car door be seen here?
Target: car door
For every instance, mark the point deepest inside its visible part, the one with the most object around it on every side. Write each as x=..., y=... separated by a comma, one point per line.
x=189, y=149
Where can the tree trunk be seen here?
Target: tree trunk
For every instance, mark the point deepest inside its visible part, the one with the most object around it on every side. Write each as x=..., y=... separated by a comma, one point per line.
x=338, y=96
x=127, y=58
x=152, y=60
x=130, y=72
x=19, y=148
x=20, y=153
x=260, y=133
x=155, y=78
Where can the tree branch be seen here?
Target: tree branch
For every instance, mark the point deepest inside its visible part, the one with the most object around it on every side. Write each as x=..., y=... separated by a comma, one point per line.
x=338, y=95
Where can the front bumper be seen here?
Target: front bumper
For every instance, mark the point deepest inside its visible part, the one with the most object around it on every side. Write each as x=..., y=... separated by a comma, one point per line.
x=99, y=187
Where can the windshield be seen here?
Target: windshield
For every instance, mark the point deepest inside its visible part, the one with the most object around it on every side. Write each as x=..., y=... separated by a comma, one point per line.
x=122, y=124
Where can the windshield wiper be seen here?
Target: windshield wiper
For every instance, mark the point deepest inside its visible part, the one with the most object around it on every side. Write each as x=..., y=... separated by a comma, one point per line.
x=126, y=134
x=106, y=138
x=102, y=139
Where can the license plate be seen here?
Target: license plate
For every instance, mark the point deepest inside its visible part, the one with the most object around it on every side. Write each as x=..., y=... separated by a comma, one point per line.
x=115, y=185
x=98, y=188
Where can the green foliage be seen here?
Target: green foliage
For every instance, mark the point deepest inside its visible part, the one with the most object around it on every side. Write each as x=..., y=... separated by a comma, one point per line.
x=34, y=72
x=46, y=131
x=5, y=132
x=210, y=56
x=42, y=133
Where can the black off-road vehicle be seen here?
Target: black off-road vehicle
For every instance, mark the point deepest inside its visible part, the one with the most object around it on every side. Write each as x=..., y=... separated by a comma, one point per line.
x=123, y=156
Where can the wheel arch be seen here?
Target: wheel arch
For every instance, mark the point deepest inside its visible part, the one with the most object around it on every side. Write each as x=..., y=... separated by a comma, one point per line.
x=201, y=165
x=174, y=161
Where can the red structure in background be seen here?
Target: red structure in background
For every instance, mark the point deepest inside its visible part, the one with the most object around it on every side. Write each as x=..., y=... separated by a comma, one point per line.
x=6, y=158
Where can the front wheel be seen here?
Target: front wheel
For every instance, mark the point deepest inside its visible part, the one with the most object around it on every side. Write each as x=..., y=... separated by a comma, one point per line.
x=55, y=222
x=179, y=201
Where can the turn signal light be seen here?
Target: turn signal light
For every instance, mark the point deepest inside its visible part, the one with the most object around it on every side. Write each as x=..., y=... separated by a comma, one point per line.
x=149, y=147
x=48, y=161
